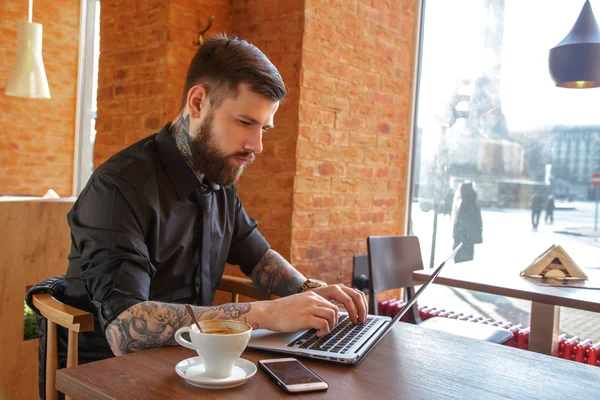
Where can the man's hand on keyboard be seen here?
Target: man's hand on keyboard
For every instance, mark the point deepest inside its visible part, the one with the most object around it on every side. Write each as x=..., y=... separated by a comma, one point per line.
x=312, y=309
x=298, y=312
x=354, y=301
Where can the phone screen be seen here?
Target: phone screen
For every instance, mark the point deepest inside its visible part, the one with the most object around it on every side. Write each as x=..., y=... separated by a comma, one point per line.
x=292, y=372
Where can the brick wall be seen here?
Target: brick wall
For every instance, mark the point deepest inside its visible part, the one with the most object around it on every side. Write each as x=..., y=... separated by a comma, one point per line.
x=131, y=73
x=266, y=188
x=357, y=61
x=333, y=170
x=37, y=136
x=142, y=65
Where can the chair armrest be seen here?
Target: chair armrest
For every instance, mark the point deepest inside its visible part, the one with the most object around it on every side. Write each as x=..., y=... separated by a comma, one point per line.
x=243, y=287
x=64, y=315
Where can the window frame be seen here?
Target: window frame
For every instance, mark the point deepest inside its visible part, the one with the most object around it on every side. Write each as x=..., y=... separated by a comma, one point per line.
x=84, y=147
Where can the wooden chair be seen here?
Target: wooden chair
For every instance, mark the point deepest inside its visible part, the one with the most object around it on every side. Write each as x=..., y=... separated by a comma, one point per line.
x=241, y=287
x=71, y=318
x=76, y=320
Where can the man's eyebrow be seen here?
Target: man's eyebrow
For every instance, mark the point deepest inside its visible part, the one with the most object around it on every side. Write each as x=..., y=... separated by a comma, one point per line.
x=249, y=118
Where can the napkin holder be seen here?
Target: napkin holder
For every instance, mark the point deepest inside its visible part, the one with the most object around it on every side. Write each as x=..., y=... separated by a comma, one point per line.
x=554, y=263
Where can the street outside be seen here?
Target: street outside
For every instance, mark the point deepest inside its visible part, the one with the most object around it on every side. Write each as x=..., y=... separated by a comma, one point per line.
x=508, y=237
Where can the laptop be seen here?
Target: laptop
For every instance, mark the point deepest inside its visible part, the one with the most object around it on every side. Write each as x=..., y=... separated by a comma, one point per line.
x=345, y=343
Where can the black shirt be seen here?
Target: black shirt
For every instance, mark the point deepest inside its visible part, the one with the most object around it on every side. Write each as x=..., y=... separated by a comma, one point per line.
x=136, y=233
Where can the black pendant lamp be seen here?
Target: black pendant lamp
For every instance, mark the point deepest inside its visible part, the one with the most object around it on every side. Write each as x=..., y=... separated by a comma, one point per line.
x=575, y=62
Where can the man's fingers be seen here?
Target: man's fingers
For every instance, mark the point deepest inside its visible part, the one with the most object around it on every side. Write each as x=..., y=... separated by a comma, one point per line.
x=365, y=304
x=322, y=325
x=355, y=303
x=324, y=310
x=344, y=297
x=360, y=302
x=327, y=310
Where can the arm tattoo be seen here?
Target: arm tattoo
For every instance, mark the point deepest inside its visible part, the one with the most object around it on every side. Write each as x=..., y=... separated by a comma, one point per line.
x=153, y=324
x=275, y=275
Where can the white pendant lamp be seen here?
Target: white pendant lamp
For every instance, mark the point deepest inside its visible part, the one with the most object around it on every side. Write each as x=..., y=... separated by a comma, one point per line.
x=28, y=77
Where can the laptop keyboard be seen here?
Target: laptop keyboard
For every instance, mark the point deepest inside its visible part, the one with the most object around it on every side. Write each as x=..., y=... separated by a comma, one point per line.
x=339, y=340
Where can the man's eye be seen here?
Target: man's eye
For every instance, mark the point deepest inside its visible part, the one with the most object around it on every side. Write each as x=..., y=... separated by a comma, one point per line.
x=246, y=123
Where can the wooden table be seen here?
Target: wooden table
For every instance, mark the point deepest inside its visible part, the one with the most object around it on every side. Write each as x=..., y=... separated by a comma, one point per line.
x=505, y=281
x=410, y=363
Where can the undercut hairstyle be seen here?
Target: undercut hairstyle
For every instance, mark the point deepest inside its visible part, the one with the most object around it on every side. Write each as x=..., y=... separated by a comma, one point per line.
x=223, y=62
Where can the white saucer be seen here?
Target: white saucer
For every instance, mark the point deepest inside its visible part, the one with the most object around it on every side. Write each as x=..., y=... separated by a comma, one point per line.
x=192, y=370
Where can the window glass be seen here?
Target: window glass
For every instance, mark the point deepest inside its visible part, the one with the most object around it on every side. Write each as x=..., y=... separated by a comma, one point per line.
x=502, y=158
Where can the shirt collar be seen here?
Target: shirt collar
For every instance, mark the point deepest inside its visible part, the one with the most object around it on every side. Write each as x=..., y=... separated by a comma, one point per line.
x=180, y=174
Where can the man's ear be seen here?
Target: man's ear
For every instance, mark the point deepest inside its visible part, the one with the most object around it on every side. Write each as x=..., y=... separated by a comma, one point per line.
x=197, y=99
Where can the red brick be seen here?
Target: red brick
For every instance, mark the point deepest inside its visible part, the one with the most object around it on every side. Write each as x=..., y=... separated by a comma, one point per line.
x=326, y=235
x=314, y=80
x=312, y=184
x=343, y=249
x=311, y=219
x=362, y=140
x=345, y=186
x=376, y=157
x=344, y=217
x=331, y=169
x=349, y=122
x=306, y=167
x=360, y=171
x=302, y=253
x=385, y=201
x=316, y=116
x=350, y=89
x=364, y=201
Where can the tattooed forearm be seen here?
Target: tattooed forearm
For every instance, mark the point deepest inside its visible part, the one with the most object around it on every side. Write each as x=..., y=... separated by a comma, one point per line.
x=275, y=275
x=153, y=324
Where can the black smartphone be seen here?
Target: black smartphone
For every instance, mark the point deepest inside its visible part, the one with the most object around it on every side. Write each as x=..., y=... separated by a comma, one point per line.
x=292, y=376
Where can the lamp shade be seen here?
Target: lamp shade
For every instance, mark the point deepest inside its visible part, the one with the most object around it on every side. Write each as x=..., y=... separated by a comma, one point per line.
x=28, y=77
x=575, y=62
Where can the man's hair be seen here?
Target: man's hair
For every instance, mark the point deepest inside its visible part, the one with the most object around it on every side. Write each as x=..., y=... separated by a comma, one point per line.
x=223, y=62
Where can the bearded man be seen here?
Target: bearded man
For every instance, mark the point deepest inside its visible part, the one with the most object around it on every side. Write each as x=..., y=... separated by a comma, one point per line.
x=157, y=223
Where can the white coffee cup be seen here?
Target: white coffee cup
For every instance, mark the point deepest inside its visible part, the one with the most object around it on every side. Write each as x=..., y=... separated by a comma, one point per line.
x=219, y=344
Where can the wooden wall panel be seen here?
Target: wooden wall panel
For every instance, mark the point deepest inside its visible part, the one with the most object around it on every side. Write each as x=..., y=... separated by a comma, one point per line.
x=35, y=245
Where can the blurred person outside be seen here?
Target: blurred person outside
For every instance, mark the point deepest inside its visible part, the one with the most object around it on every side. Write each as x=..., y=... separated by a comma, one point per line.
x=550, y=210
x=537, y=203
x=468, y=225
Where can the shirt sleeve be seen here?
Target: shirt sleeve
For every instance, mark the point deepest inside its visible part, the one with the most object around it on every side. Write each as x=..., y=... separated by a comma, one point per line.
x=248, y=246
x=109, y=238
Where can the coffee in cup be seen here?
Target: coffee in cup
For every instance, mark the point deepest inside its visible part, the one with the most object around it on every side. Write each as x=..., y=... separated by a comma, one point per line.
x=220, y=344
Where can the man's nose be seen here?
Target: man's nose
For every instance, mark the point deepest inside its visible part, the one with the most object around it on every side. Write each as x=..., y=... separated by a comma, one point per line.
x=254, y=141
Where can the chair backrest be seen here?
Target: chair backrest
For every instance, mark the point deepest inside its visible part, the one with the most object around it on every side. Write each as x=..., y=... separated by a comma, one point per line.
x=392, y=260
x=241, y=287
x=71, y=318
x=360, y=272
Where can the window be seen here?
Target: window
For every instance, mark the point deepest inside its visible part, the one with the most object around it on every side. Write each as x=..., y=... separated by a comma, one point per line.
x=88, y=88
x=489, y=118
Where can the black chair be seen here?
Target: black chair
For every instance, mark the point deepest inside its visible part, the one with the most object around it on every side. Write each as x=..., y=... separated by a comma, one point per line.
x=391, y=262
x=360, y=273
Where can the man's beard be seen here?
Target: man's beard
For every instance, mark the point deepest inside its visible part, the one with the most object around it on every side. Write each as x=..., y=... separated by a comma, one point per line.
x=213, y=163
